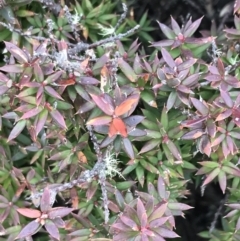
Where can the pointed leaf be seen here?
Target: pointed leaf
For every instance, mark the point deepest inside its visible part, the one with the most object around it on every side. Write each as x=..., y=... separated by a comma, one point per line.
x=52, y=229
x=59, y=212
x=16, y=52
x=29, y=230
x=58, y=118
x=52, y=92
x=211, y=176
x=128, y=147
x=30, y=213
x=101, y=102
x=192, y=28
x=101, y=120
x=168, y=58
x=127, y=70
x=127, y=105
x=17, y=129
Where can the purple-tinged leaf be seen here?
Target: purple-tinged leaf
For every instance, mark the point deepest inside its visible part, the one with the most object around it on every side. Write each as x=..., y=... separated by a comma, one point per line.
x=204, y=145
x=127, y=70
x=168, y=58
x=175, y=26
x=231, y=171
x=45, y=200
x=102, y=103
x=167, y=31
x=52, y=229
x=12, y=68
x=30, y=213
x=211, y=128
x=200, y=106
x=101, y=120
x=88, y=81
x=113, y=207
x=213, y=77
x=211, y=176
x=234, y=206
x=149, y=166
x=86, y=107
x=59, y=212
x=129, y=222
x=149, y=205
x=58, y=118
x=226, y=98
x=166, y=233
x=38, y=73
x=174, y=150
x=158, y=212
x=17, y=52
x=29, y=230
x=163, y=43
x=141, y=212
x=236, y=7
x=42, y=118
x=158, y=222
x=59, y=222
x=161, y=187
x=218, y=140
x=101, y=62
x=136, y=132
x=222, y=180
x=120, y=227
x=171, y=100
x=33, y=112
x=231, y=145
x=192, y=135
x=232, y=81
x=17, y=129
x=192, y=28
x=184, y=89
x=187, y=64
x=193, y=123
x=224, y=115
x=128, y=147
x=3, y=89
x=225, y=148
x=149, y=146
x=191, y=80
x=53, y=77
x=52, y=92
x=157, y=237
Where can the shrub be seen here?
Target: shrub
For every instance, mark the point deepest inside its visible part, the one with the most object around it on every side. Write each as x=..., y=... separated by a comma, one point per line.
x=102, y=144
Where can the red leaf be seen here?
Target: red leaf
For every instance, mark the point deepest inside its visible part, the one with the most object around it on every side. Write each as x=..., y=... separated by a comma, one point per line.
x=66, y=82
x=101, y=102
x=116, y=127
x=194, y=134
x=127, y=105
x=30, y=213
x=29, y=230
